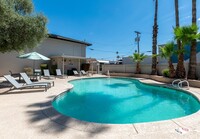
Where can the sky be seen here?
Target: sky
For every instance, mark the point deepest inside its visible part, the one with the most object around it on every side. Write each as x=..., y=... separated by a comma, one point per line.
x=110, y=25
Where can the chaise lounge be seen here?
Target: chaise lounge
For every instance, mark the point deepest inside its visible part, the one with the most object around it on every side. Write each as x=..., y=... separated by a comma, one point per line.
x=16, y=85
x=47, y=74
x=84, y=73
x=75, y=72
x=59, y=74
x=29, y=82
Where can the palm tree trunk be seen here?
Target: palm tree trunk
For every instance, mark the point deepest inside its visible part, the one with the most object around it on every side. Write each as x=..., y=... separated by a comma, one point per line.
x=171, y=69
x=193, y=61
x=180, y=69
x=138, y=70
x=154, y=45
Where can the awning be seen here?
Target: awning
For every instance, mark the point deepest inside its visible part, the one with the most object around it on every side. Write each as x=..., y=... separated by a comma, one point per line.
x=69, y=57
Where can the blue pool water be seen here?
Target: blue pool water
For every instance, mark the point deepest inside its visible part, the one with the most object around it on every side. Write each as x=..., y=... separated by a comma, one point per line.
x=122, y=101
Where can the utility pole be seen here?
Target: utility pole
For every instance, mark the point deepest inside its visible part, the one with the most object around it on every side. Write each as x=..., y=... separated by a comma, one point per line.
x=117, y=58
x=137, y=39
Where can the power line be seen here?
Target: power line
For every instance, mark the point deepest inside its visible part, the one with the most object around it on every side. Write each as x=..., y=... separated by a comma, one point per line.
x=115, y=43
x=98, y=50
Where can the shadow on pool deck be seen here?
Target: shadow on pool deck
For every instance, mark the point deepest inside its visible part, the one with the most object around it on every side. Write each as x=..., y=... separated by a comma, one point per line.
x=49, y=120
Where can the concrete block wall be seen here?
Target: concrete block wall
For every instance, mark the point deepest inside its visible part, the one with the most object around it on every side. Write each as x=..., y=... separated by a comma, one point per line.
x=145, y=68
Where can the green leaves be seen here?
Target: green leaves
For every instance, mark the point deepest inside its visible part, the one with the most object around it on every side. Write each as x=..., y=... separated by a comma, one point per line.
x=187, y=34
x=19, y=28
x=138, y=57
x=168, y=50
x=22, y=7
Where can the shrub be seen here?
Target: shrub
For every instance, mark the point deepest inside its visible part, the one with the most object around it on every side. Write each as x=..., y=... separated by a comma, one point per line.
x=165, y=72
x=42, y=67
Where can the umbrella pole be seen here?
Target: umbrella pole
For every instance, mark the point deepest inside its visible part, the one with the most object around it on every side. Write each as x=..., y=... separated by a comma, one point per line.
x=33, y=66
x=63, y=66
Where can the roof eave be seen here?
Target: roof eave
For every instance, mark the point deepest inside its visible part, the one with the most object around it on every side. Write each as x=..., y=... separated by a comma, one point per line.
x=53, y=36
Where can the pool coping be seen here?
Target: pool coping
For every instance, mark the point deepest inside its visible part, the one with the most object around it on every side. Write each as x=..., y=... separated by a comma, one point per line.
x=186, y=123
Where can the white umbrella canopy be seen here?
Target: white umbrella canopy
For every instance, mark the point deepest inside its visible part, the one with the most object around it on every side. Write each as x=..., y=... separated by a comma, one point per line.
x=33, y=56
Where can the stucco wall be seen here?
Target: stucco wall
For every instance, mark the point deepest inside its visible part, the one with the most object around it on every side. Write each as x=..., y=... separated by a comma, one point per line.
x=49, y=47
x=53, y=47
x=145, y=68
x=128, y=60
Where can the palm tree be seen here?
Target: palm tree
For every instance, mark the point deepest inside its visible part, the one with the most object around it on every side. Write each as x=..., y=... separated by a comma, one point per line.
x=154, y=42
x=186, y=34
x=138, y=58
x=193, y=59
x=166, y=52
x=180, y=69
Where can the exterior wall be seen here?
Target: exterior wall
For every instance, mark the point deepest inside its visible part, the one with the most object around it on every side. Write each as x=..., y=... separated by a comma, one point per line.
x=147, y=60
x=187, y=54
x=49, y=47
x=146, y=68
x=9, y=61
x=54, y=47
x=128, y=60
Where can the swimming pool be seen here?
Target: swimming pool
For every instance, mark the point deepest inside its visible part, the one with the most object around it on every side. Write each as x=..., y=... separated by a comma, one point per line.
x=123, y=101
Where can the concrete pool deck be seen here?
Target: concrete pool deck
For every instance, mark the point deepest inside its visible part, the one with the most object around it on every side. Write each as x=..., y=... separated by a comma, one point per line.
x=29, y=114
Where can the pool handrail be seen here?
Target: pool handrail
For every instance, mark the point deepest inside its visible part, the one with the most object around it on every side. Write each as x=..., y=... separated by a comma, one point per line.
x=179, y=83
x=174, y=81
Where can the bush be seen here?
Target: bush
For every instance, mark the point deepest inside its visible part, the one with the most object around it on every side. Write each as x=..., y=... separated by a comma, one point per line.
x=42, y=67
x=165, y=72
x=28, y=70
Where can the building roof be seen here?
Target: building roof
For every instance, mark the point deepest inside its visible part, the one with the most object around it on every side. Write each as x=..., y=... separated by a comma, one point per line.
x=103, y=61
x=69, y=57
x=54, y=36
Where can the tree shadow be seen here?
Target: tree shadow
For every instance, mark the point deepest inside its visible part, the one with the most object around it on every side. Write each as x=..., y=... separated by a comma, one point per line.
x=50, y=120
x=53, y=121
x=7, y=91
x=117, y=85
x=5, y=84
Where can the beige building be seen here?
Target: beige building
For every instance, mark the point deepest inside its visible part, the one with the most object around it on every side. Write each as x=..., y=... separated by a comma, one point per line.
x=65, y=53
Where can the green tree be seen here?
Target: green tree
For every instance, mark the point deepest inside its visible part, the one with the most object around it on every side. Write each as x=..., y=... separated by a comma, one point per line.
x=166, y=52
x=186, y=34
x=180, y=69
x=138, y=58
x=154, y=41
x=20, y=28
x=193, y=59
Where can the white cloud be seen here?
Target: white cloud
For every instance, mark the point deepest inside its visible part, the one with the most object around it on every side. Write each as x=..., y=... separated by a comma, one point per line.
x=198, y=19
x=187, y=17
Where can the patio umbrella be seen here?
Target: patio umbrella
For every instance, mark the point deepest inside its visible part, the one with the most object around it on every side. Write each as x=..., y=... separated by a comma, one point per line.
x=33, y=56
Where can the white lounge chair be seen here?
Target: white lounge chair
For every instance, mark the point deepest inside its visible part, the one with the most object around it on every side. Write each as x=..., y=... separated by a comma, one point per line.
x=29, y=82
x=59, y=74
x=179, y=83
x=47, y=74
x=84, y=73
x=16, y=85
x=75, y=73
